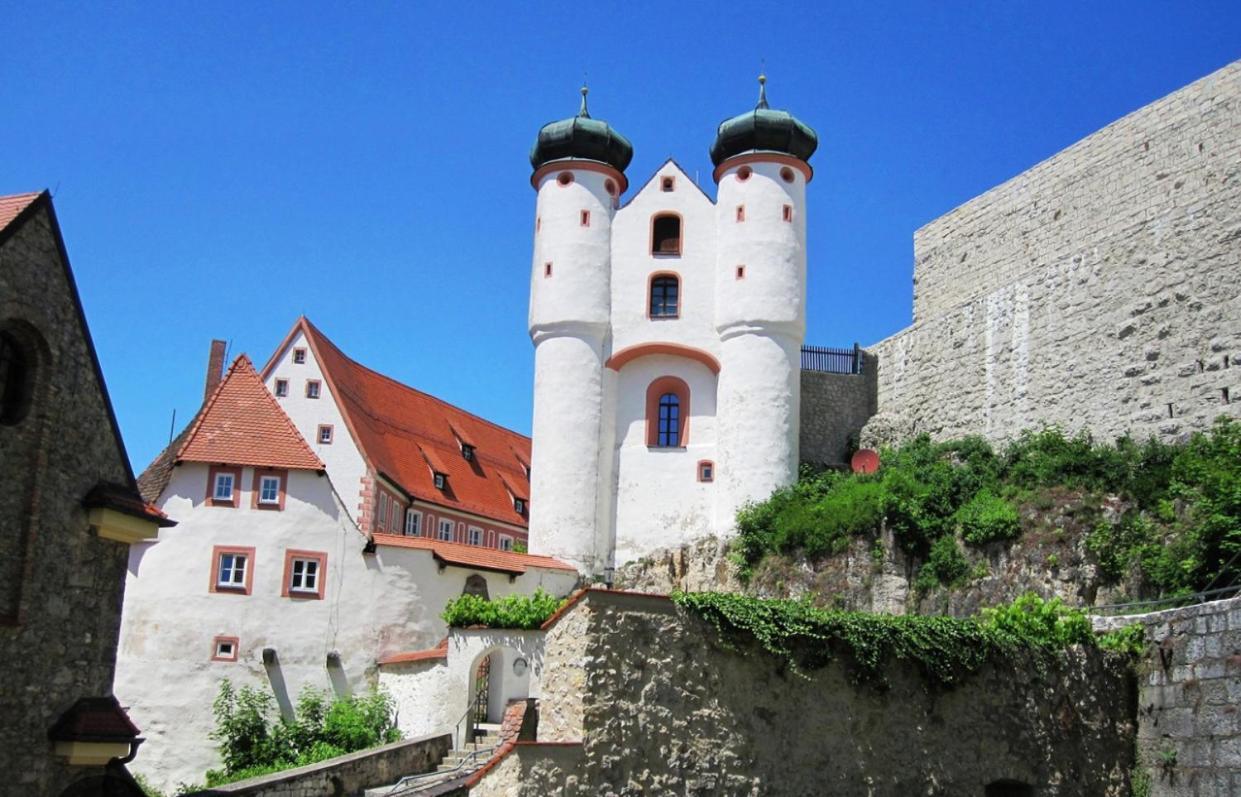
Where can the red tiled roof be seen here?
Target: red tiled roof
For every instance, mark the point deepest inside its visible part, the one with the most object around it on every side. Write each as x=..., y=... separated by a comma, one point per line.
x=94, y=719
x=479, y=558
x=440, y=651
x=241, y=424
x=405, y=434
x=12, y=206
x=124, y=500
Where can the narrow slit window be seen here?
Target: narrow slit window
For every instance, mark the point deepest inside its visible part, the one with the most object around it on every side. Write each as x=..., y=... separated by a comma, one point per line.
x=665, y=297
x=740, y=272
x=788, y=212
x=547, y=269
x=741, y=213
x=585, y=218
x=666, y=235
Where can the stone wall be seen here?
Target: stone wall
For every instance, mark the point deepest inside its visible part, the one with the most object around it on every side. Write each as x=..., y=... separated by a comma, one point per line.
x=670, y=711
x=347, y=775
x=834, y=408
x=1189, y=718
x=1098, y=289
x=63, y=584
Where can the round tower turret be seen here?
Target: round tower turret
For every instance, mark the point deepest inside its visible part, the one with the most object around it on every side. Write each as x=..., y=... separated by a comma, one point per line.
x=579, y=176
x=760, y=280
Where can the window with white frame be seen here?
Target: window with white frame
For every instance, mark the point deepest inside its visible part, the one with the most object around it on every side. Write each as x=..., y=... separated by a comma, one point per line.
x=282, y=388
x=224, y=648
x=413, y=523
x=445, y=529
x=223, y=487
x=476, y=536
x=231, y=572
x=304, y=575
x=269, y=490
x=506, y=542
x=394, y=515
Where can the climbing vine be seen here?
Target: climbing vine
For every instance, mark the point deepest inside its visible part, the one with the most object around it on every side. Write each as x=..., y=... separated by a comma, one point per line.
x=944, y=649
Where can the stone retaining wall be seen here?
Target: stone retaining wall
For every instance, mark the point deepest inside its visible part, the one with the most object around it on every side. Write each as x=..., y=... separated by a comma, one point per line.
x=347, y=775
x=834, y=408
x=1189, y=717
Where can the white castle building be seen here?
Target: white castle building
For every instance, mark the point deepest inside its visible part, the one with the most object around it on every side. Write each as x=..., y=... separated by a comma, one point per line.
x=667, y=336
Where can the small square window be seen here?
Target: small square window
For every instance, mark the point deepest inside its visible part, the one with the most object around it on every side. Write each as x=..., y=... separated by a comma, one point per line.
x=445, y=530
x=413, y=523
x=476, y=535
x=506, y=542
x=519, y=505
x=282, y=388
x=667, y=184
x=467, y=452
x=224, y=648
x=223, y=487
x=441, y=481
x=299, y=356
x=312, y=388
x=706, y=471
x=325, y=433
x=269, y=490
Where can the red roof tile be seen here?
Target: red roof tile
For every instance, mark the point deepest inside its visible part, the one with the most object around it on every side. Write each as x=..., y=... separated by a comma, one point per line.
x=124, y=500
x=94, y=719
x=241, y=424
x=479, y=558
x=12, y=206
x=405, y=434
x=440, y=651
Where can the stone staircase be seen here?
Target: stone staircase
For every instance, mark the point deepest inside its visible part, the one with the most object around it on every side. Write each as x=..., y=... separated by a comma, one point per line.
x=457, y=765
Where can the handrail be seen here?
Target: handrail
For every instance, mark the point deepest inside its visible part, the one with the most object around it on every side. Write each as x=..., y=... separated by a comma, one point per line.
x=1191, y=598
x=401, y=786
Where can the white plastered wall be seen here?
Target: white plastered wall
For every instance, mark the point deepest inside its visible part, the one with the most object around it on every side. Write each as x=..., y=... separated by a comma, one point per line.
x=374, y=604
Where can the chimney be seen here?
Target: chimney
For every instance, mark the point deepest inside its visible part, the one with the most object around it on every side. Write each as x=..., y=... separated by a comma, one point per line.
x=215, y=368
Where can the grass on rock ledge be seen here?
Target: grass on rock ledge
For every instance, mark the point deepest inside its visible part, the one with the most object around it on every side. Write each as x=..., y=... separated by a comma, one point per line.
x=1180, y=531
x=945, y=649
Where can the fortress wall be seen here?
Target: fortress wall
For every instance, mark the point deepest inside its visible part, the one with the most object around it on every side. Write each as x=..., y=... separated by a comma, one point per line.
x=1095, y=289
x=834, y=408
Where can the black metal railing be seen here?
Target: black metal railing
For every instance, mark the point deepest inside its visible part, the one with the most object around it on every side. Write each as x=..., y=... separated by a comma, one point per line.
x=832, y=361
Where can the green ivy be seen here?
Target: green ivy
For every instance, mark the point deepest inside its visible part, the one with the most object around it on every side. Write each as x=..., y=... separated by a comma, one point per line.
x=512, y=611
x=945, y=649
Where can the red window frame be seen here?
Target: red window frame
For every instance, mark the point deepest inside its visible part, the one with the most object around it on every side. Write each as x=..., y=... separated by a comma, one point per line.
x=257, y=483
x=286, y=589
x=215, y=648
x=662, y=385
x=220, y=550
x=215, y=470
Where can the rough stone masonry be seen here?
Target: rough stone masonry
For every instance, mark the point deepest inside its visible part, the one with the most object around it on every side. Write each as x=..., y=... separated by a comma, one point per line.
x=1098, y=289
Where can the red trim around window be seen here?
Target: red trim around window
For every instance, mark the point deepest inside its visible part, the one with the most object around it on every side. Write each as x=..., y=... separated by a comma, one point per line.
x=215, y=646
x=702, y=465
x=216, y=552
x=662, y=385
x=257, y=483
x=320, y=576
x=212, y=471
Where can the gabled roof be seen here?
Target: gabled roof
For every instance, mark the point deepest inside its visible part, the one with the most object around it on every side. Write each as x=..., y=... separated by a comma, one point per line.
x=405, y=435
x=242, y=424
x=656, y=173
x=474, y=556
x=94, y=719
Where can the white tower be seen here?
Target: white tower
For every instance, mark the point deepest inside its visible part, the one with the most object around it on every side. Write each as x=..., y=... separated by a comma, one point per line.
x=579, y=166
x=762, y=170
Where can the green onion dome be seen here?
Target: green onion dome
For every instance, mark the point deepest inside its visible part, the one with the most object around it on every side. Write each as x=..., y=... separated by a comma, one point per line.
x=764, y=130
x=581, y=138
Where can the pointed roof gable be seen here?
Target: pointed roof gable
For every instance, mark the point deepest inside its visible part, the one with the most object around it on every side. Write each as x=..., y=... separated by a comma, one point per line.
x=242, y=424
x=650, y=182
x=405, y=435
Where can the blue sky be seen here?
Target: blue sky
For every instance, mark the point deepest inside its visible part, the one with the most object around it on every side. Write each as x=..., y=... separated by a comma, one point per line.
x=219, y=169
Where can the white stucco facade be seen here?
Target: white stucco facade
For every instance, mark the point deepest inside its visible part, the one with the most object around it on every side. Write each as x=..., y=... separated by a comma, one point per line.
x=372, y=605
x=607, y=487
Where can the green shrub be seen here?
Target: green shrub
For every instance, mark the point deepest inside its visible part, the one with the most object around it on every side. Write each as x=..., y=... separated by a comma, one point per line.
x=1130, y=640
x=945, y=565
x=1030, y=620
x=987, y=518
x=512, y=611
x=252, y=742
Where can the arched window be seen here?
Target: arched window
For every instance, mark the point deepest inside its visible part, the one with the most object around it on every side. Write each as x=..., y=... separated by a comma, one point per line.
x=665, y=296
x=667, y=413
x=476, y=585
x=16, y=379
x=666, y=234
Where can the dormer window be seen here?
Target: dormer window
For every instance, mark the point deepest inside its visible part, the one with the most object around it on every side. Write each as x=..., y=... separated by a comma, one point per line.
x=441, y=480
x=519, y=506
x=666, y=234
x=467, y=452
